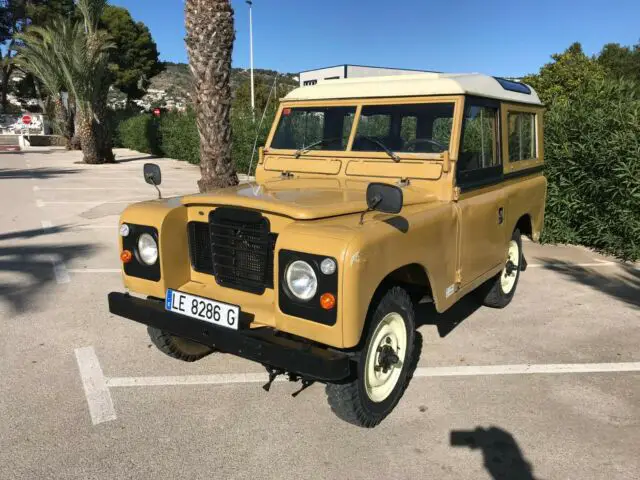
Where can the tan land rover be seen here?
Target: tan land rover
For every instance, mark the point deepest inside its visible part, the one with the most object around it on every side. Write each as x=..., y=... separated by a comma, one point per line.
x=370, y=195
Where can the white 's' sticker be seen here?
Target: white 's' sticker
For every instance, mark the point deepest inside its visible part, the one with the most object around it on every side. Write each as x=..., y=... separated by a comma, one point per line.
x=450, y=290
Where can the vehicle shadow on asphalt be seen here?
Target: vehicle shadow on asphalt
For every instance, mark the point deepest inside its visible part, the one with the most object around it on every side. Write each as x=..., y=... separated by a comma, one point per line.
x=426, y=314
x=625, y=286
x=26, y=269
x=37, y=173
x=502, y=457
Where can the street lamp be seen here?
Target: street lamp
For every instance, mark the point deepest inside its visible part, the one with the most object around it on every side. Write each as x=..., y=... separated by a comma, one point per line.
x=253, y=99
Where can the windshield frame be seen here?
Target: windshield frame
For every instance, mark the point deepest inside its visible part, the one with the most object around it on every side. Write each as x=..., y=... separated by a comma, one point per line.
x=456, y=100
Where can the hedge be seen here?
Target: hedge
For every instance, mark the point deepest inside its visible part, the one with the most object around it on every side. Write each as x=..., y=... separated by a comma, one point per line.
x=592, y=155
x=175, y=135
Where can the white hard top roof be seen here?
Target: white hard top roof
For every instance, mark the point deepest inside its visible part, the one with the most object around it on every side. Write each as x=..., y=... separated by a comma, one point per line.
x=419, y=84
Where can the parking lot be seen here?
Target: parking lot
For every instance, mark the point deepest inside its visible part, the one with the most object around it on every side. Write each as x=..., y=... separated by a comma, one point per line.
x=548, y=388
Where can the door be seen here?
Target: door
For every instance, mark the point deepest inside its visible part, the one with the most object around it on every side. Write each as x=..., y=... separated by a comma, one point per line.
x=481, y=202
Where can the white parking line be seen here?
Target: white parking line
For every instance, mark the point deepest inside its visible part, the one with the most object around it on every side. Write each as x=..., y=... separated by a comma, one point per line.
x=483, y=370
x=95, y=387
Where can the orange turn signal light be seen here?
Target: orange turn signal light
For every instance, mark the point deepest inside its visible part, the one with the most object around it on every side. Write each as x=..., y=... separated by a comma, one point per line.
x=327, y=301
x=126, y=256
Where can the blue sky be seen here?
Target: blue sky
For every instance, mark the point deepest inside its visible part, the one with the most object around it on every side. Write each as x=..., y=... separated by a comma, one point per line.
x=508, y=38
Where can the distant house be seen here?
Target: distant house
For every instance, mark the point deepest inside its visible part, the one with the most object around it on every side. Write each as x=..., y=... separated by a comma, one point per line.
x=336, y=72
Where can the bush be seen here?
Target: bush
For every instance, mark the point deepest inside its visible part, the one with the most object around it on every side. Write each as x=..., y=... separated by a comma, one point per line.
x=592, y=153
x=180, y=137
x=140, y=133
x=243, y=137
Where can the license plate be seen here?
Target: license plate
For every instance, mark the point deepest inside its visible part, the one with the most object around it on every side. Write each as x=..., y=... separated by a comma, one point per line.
x=221, y=314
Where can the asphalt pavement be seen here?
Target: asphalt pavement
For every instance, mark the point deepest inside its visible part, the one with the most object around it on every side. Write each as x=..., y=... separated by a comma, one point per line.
x=548, y=388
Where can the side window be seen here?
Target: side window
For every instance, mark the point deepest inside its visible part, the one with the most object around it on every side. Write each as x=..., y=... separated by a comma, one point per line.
x=522, y=136
x=480, y=139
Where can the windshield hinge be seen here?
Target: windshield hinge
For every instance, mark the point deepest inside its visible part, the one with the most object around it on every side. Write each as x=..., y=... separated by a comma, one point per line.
x=286, y=175
x=456, y=193
x=404, y=182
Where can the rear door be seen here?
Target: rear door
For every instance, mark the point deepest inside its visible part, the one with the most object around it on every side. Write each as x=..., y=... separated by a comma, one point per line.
x=481, y=201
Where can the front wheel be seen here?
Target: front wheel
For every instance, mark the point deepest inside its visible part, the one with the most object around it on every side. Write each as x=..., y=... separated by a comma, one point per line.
x=177, y=347
x=386, y=364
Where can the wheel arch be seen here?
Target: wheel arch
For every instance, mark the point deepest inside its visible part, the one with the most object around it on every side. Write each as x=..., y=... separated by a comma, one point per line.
x=525, y=225
x=414, y=277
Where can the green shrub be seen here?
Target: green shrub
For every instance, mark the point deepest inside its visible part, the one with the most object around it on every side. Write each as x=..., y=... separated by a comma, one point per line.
x=140, y=133
x=592, y=153
x=243, y=136
x=180, y=137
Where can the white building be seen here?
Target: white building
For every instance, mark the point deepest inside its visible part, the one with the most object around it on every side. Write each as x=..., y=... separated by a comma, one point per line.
x=321, y=75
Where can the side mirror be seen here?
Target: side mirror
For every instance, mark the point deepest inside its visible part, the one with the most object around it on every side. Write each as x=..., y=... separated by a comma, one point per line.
x=152, y=174
x=384, y=197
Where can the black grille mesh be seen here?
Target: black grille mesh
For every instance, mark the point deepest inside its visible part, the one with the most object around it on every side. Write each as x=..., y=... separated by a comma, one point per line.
x=236, y=246
x=200, y=247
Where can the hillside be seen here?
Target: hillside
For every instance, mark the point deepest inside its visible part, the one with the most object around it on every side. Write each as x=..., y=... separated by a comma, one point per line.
x=172, y=87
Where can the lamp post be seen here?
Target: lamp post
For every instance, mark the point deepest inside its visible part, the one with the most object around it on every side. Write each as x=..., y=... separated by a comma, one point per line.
x=253, y=99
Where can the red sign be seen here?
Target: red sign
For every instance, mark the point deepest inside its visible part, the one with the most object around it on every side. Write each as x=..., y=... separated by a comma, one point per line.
x=26, y=119
x=156, y=112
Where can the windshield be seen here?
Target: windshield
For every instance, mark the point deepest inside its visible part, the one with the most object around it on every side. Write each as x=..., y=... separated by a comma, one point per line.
x=314, y=128
x=416, y=128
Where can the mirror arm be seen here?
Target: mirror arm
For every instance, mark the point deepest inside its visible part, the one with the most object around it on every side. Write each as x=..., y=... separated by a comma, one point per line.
x=375, y=203
x=150, y=178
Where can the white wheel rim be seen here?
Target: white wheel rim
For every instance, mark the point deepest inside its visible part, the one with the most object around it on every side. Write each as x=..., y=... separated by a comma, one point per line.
x=508, y=280
x=392, y=332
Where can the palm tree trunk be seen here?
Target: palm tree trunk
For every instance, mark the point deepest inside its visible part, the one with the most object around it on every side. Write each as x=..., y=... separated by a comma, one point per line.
x=210, y=37
x=89, y=140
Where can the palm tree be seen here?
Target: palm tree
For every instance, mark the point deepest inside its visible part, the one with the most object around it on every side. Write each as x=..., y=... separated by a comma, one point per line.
x=37, y=56
x=84, y=60
x=209, y=41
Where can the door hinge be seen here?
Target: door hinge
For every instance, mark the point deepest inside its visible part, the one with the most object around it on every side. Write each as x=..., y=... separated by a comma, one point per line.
x=458, y=277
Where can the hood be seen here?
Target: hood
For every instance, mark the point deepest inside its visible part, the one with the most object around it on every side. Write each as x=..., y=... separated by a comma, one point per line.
x=301, y=198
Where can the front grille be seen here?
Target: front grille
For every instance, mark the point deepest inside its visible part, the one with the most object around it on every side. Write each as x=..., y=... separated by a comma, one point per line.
x=236, y=246
x=200, y=247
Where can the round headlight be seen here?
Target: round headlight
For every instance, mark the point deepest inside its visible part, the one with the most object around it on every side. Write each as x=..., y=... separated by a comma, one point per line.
x=147, y=249
x=301, y=280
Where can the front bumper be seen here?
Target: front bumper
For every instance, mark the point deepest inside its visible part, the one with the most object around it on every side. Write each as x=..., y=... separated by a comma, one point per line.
x=260, y=345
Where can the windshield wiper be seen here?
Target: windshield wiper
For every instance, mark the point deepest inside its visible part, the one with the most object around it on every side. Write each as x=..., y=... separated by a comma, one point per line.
x=386, y=149
x=302, y=150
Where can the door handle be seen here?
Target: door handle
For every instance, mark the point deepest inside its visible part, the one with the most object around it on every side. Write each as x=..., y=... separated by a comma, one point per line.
x=500, y=216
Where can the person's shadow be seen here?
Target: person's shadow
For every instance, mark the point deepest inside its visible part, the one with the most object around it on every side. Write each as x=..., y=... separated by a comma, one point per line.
x=502, y=457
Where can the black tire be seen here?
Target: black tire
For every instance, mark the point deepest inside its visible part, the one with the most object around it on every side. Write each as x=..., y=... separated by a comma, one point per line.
x=492, y=292
x=177, y=347
x=350, y=401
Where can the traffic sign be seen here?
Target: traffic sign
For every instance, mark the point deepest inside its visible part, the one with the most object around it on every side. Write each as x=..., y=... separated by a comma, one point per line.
x=26, y=119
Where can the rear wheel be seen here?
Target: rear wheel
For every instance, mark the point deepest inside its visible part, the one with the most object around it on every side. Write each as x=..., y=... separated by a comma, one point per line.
x=499, y=291
x=385, y=367
x=178, y=347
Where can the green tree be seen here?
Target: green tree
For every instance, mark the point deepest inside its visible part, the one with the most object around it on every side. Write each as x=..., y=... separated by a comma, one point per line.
x=563, y=77
x=620, y=61
x=134, y=61
x=15, y=17
x=38, y=56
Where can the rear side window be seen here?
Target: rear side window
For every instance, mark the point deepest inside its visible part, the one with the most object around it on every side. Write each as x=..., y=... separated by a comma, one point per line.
x=480, y=139
x=522, y=136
